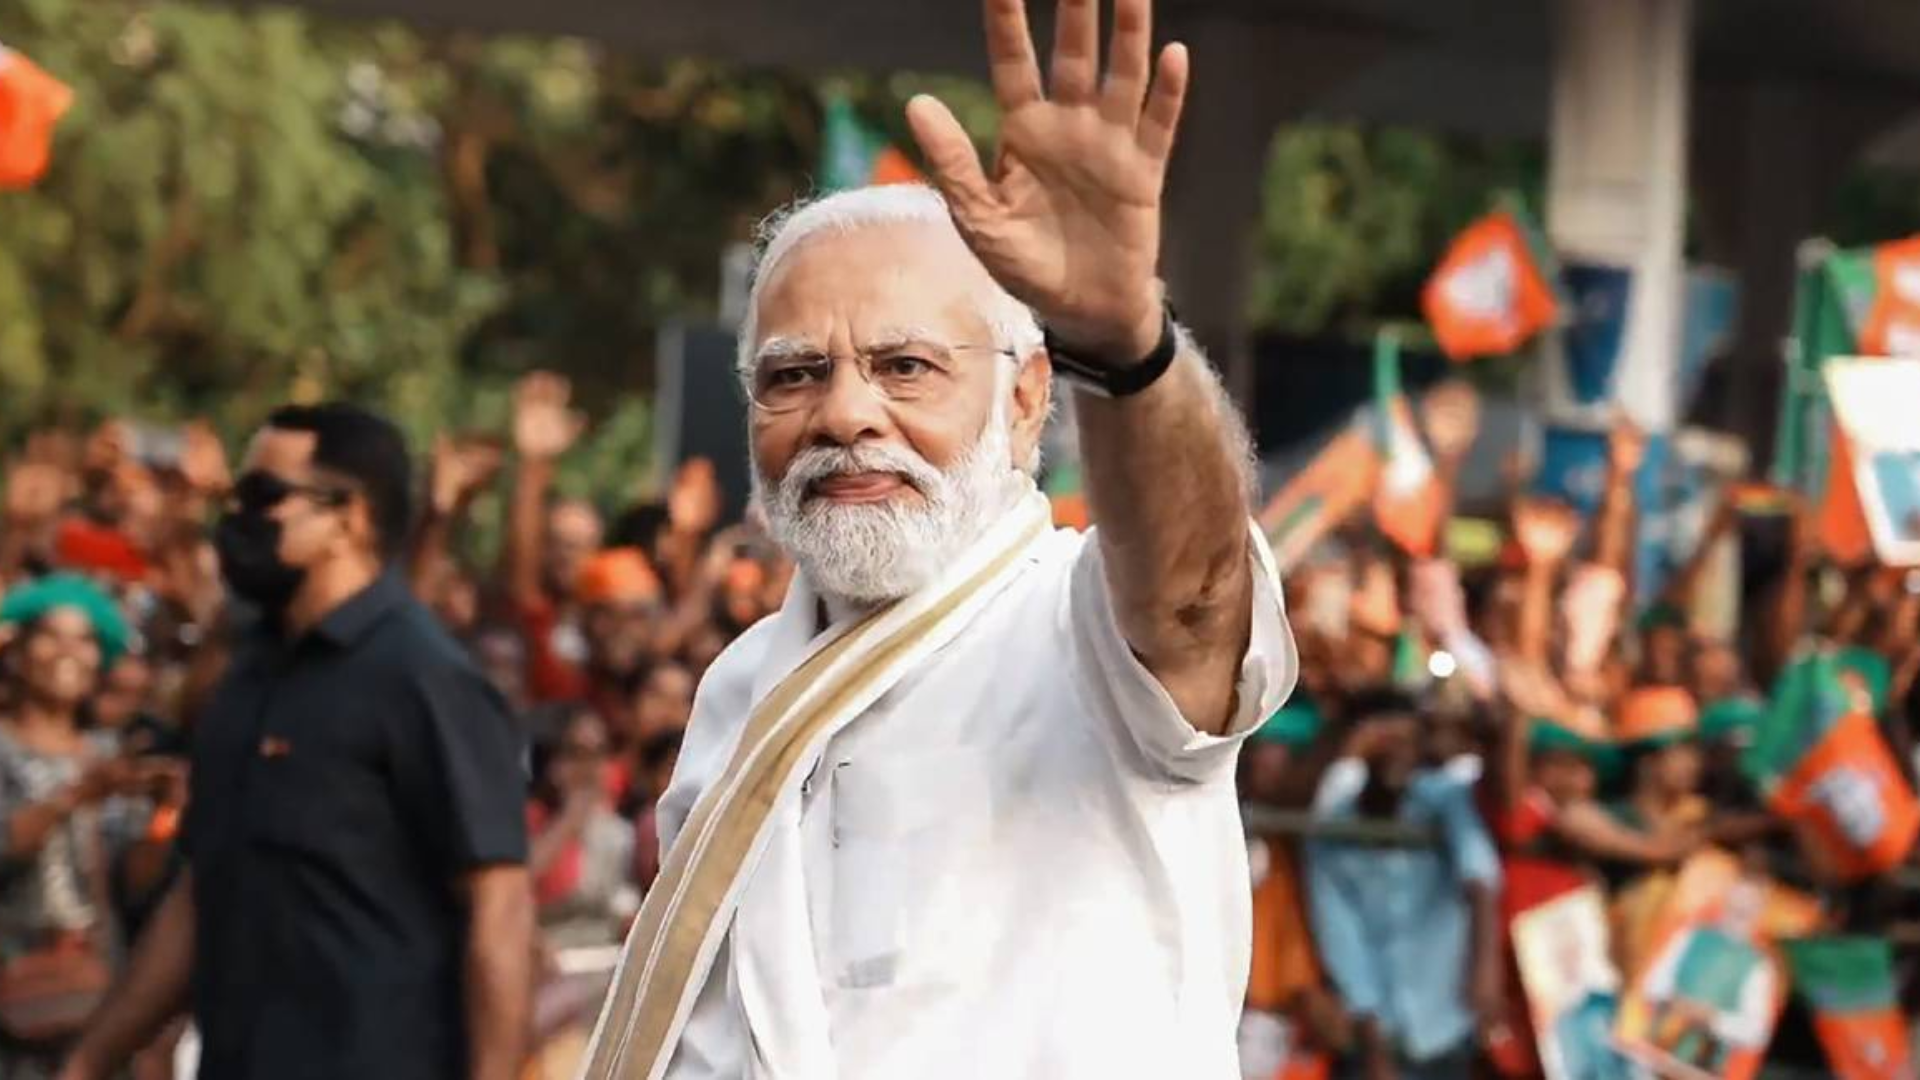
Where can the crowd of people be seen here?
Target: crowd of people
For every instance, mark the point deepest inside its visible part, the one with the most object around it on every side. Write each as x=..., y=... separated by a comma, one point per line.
x=114, y=631
x=1539, y=728
x=1547, y=733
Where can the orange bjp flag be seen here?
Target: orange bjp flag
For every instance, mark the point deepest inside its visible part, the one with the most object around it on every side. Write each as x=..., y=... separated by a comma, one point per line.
x=1851, y=792
x=1892, y=326
x=1489, y=294
x=31, y=104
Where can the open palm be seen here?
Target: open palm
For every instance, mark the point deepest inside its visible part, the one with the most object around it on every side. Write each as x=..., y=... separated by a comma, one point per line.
x=1069, y=219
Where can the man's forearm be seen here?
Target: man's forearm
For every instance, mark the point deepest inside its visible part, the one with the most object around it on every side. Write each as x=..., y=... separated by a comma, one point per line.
x=499, y=976
x=1168, y=478
x=153, y=991
x=521, y=553
x=1536, y=614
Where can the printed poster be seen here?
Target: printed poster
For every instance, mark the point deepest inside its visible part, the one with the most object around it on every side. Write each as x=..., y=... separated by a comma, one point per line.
x=1705, y=1005
x=1873, y=404
x=1572, y=987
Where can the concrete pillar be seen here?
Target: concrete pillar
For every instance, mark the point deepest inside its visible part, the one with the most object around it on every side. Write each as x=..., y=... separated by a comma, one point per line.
x=1617, y=173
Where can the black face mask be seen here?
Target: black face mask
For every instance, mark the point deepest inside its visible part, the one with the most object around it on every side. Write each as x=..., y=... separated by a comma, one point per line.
x=249, y=548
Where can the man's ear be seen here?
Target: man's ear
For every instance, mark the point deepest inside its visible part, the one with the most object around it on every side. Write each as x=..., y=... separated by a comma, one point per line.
x=1032, y=402
x=358, y=516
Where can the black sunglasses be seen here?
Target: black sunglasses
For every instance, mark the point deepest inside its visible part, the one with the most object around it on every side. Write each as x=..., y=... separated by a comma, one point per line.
x=261, y=492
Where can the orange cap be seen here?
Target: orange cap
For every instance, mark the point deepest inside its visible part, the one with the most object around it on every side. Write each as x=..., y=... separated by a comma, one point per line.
x=617, y=576
x=1656, y=712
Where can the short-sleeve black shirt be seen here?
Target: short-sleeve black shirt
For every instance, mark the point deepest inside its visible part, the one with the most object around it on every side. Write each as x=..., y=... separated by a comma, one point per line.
x=342, y=784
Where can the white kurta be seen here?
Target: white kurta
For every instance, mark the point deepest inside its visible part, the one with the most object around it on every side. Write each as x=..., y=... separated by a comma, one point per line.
x=1020, y=862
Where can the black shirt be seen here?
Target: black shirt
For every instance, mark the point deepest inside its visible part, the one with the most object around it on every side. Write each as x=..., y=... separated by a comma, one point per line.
x=341, y=786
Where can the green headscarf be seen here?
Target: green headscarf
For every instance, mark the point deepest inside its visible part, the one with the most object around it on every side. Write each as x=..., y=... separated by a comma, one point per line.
x=1295, y=724
x=1546, y=736
x=1728, y=717
x=1663, y=616
x=34, y=599
x=1661, y=740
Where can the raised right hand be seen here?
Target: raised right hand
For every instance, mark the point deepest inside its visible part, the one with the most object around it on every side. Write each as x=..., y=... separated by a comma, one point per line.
x=543, y=426
x=1546, y=530
x=460, y=470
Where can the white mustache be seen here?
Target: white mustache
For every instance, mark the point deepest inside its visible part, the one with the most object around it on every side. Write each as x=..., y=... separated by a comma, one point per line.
x=817, y=463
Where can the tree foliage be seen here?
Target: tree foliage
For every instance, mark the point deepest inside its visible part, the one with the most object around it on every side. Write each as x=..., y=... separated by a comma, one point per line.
x=1353, y=219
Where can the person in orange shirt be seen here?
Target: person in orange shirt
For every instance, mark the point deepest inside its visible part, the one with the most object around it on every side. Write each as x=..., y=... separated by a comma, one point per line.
x=1290, y=1017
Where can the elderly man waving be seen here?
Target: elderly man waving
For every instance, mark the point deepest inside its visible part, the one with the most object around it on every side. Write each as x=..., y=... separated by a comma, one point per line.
x=965, y=806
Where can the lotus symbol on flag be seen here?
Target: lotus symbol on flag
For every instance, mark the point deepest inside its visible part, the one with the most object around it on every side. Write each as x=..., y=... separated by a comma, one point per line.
x=1484, y=288
x=1408, y=467
x=1490, y=292
x=1850, y=796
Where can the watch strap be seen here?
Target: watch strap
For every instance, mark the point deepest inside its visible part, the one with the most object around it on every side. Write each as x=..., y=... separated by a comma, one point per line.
x=1118, y=380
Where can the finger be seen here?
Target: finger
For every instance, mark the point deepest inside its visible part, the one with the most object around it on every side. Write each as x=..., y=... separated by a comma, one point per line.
x=1161, y=120
x=950, y=155
x=1129, y=61
x=1016, y=70
x=1076, y=50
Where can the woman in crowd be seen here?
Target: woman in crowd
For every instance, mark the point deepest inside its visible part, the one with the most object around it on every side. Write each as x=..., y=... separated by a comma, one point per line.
x=581, y=860
x=582, y=848
x=1659, y=728
x=59, y=819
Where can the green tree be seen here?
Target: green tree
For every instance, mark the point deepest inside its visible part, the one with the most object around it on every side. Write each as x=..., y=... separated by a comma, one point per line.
x=1354, y=217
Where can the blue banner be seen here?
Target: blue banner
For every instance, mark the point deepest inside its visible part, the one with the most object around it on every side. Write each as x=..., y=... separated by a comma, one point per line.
x=1573, y=468
x=1597, y=329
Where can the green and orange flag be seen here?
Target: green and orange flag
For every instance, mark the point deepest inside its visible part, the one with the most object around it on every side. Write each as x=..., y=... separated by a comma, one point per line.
x=31, y=105
x=1820, y=759
x=853, y=155
x=1321, y=498
x=1848, y=982
x=1408, y=503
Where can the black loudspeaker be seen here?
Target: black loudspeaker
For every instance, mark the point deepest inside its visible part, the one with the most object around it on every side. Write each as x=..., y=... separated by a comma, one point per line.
x=701, y=409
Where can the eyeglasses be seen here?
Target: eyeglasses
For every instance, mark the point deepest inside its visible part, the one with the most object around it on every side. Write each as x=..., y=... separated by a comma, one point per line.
x=260, y=492
x=783, y=381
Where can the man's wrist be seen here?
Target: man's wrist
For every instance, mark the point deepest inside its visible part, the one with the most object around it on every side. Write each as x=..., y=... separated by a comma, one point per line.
x=1113, y=379
x=1118, y=343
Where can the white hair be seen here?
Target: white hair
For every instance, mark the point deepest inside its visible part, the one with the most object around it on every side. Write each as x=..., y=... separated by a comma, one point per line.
x=1011, y=322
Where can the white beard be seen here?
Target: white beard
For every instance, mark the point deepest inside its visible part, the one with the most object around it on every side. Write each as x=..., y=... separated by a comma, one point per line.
x=869, y=553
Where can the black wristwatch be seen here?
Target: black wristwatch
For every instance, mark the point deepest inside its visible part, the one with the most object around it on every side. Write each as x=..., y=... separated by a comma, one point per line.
x=1113, y=380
